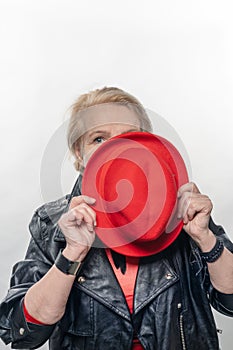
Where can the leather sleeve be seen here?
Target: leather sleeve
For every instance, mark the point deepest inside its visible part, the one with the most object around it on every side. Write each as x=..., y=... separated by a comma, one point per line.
x=219, y=231
x=27, y=335
x=223, y=303
x=13, y=326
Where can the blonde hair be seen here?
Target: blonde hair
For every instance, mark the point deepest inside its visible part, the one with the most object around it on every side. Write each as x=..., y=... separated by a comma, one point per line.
x=97, y=97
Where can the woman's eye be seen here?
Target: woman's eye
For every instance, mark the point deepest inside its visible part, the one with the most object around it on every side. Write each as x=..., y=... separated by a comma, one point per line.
x=98, y=139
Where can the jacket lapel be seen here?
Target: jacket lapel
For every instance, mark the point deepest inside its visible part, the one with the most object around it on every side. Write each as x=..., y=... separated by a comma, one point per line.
x=153, y=278
x=99, y=281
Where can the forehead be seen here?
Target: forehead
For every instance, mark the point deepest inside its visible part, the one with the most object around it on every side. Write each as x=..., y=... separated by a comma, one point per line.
x=106, y=114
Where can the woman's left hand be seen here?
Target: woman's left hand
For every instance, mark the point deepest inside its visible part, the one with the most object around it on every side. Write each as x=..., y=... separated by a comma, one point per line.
x=194, y=208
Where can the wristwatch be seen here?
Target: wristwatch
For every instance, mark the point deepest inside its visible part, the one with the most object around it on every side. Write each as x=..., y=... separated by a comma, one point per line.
x=67, y=266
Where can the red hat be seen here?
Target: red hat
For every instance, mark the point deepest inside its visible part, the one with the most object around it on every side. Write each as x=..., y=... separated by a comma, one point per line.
x=134, y=178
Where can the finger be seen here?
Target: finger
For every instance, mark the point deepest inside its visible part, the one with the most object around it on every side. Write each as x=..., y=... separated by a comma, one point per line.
x=189, y=215
x=190, y=205
x=91, y=212
x=185, y=220
x=183, y=204
x=81, y=199
x=84, y=215
x=77, y=215
x=188, y=187
x=194, y=209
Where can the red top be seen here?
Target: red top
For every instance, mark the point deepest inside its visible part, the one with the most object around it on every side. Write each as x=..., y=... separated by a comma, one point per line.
x=127, y=283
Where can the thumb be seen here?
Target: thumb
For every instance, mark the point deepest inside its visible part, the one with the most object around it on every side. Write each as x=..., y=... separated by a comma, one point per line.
x=81, y=199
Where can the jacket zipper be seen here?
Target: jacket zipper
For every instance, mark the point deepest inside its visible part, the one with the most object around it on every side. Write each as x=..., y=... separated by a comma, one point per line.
x=181, y=329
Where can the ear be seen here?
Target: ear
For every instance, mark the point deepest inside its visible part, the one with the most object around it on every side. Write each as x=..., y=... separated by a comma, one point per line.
x=79, y=157
x=77, y=151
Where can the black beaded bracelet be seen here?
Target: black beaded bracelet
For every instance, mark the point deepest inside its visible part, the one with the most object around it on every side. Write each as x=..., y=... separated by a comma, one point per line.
x=215, y=253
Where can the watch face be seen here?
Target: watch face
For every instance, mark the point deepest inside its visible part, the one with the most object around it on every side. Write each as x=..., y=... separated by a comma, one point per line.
x=74, y=267
x=66, y=266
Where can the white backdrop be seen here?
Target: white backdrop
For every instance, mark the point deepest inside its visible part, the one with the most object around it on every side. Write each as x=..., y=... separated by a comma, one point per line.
x=175, y=56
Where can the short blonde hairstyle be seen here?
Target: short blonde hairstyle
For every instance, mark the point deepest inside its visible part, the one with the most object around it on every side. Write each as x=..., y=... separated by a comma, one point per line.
x=97, y=97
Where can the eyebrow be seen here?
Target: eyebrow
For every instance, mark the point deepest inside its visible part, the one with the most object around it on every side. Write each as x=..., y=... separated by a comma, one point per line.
x=96, y=132
x=104, y=132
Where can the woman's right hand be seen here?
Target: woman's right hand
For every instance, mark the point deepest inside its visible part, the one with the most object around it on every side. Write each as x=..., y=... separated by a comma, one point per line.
x=78, y=225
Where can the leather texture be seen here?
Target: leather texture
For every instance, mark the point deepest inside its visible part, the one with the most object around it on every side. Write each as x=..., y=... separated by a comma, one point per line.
x=171, y=302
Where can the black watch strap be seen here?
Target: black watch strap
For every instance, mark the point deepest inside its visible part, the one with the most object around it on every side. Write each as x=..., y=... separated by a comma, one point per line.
x=215, y=253
x=67, y=266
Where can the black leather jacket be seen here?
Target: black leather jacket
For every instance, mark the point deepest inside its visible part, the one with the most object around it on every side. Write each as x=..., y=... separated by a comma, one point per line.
x=171, y=302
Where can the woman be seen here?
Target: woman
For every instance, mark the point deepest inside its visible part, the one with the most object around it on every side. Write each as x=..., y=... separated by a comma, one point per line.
x=81, y=296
